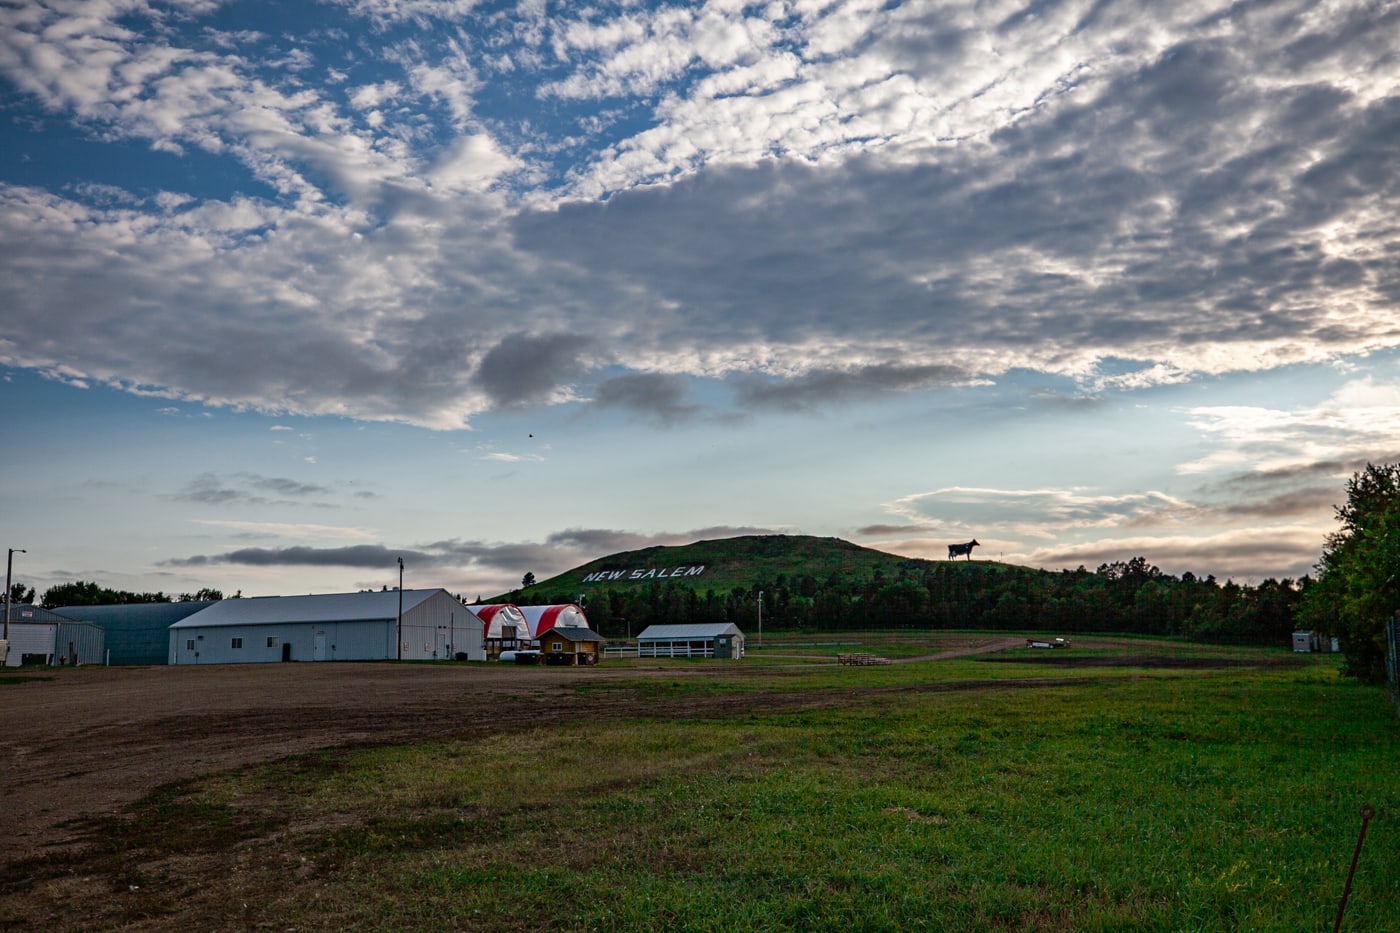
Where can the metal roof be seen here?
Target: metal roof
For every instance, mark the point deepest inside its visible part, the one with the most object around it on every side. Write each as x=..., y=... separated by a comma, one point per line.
x=677, y=632
x=28, y=612
x=135, y=615
x=136, y=633
x=576, y=634
x=332, y=607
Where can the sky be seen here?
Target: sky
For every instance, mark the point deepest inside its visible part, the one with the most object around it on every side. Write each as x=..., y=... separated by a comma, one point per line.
x=290, y=291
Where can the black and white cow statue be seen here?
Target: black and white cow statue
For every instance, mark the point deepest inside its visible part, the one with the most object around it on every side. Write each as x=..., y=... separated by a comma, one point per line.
x=958, y=550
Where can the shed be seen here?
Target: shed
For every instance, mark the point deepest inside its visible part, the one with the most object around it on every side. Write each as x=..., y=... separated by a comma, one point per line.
x=41, y=636
x=567, y=645
x=544, y=618
x=331, y=627
x=136, y=633
x=721, y=640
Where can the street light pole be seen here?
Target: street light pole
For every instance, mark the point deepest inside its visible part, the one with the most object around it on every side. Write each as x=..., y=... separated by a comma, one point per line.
x=760, y=618
x=5, y=638
x=398, y=629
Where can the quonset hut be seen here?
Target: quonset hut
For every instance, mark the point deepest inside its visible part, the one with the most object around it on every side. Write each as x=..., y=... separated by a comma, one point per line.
x=136, y=633
x=504, y=627
x=333, y=627
x=544, y=618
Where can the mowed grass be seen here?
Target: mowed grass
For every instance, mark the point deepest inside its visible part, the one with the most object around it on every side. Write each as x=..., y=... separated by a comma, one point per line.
x=1204, y=800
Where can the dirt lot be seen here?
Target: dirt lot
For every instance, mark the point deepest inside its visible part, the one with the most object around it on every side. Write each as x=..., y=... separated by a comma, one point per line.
x=79, y=747
x=84, y=743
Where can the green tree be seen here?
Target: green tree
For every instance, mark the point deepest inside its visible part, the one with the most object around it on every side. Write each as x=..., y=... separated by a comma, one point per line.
x=527, y=580
x=1358, y=583
x=83, y=593
x=19, y=593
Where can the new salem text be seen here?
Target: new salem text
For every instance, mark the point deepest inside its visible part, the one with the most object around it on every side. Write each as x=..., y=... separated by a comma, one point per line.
x=607, y=576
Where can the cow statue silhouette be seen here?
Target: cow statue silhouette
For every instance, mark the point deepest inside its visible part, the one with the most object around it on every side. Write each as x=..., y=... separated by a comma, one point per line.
x=958, y=550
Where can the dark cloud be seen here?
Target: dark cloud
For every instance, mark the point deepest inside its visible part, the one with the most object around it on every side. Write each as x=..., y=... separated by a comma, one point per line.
x=883, y=531
x=1304, y=489
x=657, y=396
x=362, y=555
x=816, y=389
x=523, y=369
x=248, y=489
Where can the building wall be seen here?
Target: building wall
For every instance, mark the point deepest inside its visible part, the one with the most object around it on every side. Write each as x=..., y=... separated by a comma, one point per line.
x=439, y=628
x=55, y=642
x=30, y=638
x=293, y=641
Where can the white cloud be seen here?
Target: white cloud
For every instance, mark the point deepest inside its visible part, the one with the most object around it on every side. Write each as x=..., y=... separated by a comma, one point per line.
x=838, y=197
x=1361, y=420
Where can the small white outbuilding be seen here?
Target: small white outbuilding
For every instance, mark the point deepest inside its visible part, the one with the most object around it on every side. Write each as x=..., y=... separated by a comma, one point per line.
x=332, y=627
x=38, y=636
x=721, y=640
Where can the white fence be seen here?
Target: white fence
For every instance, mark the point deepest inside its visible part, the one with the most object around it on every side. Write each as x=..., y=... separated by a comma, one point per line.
x=662, y=649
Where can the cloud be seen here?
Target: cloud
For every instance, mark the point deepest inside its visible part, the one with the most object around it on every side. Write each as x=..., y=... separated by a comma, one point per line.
x=657, y=396
x=811, y=203
x=248, y=489
x=1035, y=513
x=1245, y=555
x=287, y=529
x=359, y=555
x=524, y=369
x=1359, y=423
x=559, y=552
x=813, y=390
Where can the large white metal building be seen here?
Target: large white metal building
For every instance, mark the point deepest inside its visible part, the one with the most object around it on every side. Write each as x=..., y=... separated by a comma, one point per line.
x=332, y=627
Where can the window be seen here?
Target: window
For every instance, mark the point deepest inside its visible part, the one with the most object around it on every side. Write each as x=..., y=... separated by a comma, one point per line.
x=238, y=643
x=189, y=644
x=557, y=646
x=273, y=641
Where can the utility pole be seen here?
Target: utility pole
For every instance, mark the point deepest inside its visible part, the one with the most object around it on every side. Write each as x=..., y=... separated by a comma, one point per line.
x=5, y=639
x=398, y=629
x=760, y=618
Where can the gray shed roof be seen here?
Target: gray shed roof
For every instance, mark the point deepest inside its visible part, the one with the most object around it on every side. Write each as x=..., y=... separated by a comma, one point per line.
x=680, y=632
x=575, y=634
x=332, y=607
x=28, y=612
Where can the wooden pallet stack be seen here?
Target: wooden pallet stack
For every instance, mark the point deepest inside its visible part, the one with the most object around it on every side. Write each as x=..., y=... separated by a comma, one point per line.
x=860, y=659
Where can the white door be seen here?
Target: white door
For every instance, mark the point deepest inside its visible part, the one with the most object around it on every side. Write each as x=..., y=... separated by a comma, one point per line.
x=441, y=651
x=318, y=652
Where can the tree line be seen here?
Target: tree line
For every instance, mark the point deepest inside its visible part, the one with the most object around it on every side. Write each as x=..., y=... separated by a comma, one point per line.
x=85, y=593
x=1131, y=596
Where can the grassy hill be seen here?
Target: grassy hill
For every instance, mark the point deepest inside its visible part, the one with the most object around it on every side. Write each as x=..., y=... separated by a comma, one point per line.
x=737, y=563
x=811, y=584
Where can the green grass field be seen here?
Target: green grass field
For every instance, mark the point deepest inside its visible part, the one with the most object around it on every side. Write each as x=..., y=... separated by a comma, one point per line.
x=1223, y=798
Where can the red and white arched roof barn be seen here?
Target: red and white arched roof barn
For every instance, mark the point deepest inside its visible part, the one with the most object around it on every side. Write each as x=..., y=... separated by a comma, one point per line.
x=497, y=616
x=544, y=618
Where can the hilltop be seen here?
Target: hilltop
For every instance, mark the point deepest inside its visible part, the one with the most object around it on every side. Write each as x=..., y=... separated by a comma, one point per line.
x=742, y=563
